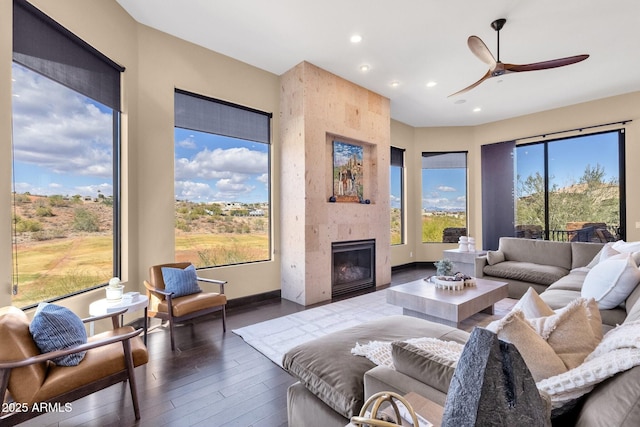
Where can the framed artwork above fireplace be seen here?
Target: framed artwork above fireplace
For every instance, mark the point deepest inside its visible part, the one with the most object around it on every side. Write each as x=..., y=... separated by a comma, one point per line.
x=348, y=172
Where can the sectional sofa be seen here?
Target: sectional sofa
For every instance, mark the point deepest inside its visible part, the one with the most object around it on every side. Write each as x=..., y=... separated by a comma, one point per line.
x=555, y=270
x=333, y=383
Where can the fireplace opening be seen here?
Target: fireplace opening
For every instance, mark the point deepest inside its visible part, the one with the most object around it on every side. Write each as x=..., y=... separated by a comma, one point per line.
x=353, y=266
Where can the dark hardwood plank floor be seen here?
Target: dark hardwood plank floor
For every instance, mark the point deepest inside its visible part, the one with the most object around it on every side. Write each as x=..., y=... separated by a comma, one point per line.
x=212, y=379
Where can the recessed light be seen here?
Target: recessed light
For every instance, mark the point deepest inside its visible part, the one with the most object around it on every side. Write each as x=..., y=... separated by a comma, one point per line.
x=394, y=83
x=356, y=38
x=460, y=101
x=431, y=84
x=477, y=110
x=364, y=68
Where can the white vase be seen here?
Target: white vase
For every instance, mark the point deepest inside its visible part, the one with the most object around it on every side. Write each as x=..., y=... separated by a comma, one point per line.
x=114, y=293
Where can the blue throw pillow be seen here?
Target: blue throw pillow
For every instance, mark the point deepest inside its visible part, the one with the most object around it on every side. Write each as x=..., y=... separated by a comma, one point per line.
x=180, y=281
x=58, y=328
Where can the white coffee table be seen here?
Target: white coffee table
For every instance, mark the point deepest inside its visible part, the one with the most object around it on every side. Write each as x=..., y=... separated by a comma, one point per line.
x=105, y=306
x=423, y=299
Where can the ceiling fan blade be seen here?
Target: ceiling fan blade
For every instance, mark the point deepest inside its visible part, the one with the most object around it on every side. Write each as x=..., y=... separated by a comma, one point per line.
x=554, y=63
x=479, y=49
x=468, y=88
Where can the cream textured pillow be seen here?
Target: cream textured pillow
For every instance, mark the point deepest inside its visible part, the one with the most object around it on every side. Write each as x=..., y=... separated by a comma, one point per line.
x=540, y=357
x=494, y=257
x=611, y=281
x=573, y=331
x=532, y=305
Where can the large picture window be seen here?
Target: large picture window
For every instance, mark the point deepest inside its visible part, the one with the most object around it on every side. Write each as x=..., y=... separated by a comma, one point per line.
x=396, y=185
x=570, y=189
x=444, y=197
x=222, y=191
x=65, y=147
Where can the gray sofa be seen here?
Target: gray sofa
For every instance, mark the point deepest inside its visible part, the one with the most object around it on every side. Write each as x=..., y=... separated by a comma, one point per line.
x=554, y=269
x=333, y=383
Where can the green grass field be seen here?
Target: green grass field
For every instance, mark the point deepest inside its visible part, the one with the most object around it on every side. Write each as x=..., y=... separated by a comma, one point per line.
x=63, y=266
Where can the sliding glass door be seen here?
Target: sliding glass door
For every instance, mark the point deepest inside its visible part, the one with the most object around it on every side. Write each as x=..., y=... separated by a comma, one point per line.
x=570, y=189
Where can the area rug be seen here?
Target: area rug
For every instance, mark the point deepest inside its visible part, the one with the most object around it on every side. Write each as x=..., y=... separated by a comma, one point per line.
x=275, y=337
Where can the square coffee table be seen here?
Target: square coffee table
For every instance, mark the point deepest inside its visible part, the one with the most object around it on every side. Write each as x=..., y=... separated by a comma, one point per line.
x=423, y=299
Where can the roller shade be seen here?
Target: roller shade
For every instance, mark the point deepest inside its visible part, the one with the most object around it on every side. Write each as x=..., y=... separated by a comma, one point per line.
x=444, y=160
x=210, y=115
x=44, y=46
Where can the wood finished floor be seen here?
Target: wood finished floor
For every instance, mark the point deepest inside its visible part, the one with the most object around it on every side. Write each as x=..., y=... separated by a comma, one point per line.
x=213, y=379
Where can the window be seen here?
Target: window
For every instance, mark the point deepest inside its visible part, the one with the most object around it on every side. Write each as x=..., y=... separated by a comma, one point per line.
x=222, y=191
x=444, y=197
x=65, y=146
x=396, y=175
x=569, y=189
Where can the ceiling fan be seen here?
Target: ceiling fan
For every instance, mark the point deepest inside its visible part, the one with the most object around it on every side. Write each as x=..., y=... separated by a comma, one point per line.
x=498, y=68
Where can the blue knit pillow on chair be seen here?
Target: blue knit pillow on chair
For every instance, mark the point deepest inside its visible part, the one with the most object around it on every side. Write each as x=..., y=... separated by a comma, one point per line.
x=56, y=328
x=180, y=281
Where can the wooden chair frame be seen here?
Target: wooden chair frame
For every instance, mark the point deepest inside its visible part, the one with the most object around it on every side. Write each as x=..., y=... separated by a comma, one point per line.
x=168, y=296
x=13, y=418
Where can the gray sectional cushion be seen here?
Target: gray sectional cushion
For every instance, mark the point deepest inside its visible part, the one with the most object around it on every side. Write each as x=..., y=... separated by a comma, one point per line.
x=327, y=368
x=571, y=282
x=427, y=368
x=582, y=253
x=542, y=252
x=615, y=402
x=558, y=298
x=526, y=271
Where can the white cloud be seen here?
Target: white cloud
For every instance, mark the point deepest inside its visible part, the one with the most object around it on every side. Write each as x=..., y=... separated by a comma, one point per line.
x=232, y=163
x=446, y=188
x=193, y=191
x=59, y=130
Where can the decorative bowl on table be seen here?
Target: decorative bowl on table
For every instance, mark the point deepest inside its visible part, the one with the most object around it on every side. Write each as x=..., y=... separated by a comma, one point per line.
x=448, y=282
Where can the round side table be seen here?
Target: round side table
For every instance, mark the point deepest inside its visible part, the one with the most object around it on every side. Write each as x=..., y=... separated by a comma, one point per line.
x=104, y=306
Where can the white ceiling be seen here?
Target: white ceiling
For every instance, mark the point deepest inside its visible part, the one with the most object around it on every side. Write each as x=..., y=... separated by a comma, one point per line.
x=417, y=41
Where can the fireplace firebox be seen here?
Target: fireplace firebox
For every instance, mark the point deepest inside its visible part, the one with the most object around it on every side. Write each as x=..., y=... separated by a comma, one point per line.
x=353, y=266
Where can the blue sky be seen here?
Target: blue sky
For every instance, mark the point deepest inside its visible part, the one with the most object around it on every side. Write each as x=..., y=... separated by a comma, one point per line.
x=63, y=145
x=214, y=168
x=569, y=157
x=62, y=140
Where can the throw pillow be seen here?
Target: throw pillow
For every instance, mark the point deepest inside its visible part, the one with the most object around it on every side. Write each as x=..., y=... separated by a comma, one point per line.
x=57, y=328
x=432, y=368
x=494, y=257
x=573, y=332
x=180, y=281
x=532, y=305
x=540, y=357
x=628, y=247
x=606, y=252
x=611, y=281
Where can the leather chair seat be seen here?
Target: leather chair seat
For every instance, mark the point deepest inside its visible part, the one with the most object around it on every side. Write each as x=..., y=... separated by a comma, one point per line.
x=192, y=303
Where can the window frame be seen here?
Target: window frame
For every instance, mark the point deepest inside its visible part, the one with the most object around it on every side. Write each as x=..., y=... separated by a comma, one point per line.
x=621, y=176
x=397, y=160
x=447, y=160
x=47, y=48
x=234, y=121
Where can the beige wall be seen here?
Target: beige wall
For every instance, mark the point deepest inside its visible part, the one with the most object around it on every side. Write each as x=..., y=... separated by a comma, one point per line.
x=156, y=63
x=416, y=140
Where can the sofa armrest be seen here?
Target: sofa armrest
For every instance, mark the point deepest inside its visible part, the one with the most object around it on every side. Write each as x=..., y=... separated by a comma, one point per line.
x=480, y=263
x=382, y=378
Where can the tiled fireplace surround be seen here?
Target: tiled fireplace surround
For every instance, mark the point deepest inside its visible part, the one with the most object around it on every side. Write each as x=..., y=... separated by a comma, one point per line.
x=318, y=107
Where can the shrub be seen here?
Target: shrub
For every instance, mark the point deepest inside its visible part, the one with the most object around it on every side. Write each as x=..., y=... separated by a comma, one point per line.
x=58, y=201
x=84, y=220
x=44, y=211
x=27, y=225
